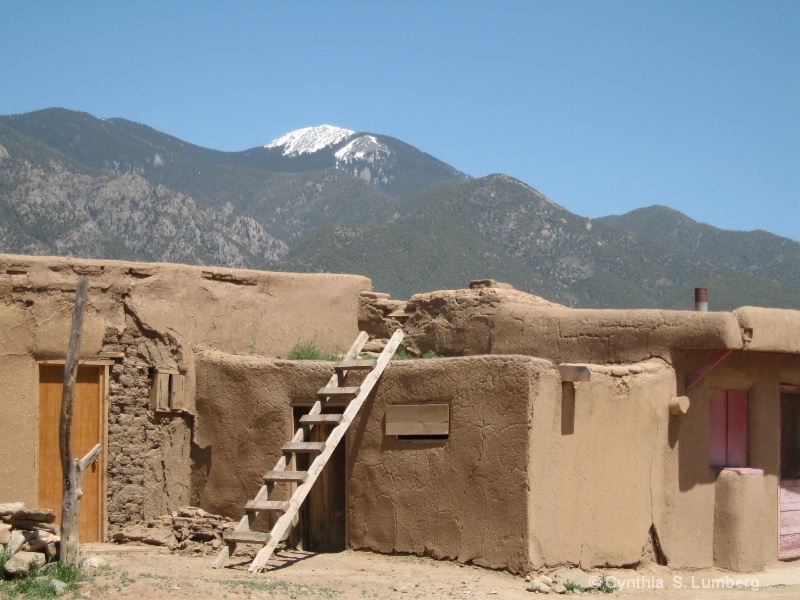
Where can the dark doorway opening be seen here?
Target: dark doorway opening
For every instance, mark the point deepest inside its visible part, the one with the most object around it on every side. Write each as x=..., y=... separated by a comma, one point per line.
x=323, y=516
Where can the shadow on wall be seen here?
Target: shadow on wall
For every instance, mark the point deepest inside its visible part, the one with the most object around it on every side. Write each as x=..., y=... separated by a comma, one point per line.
x=567, y=408
x=201, y=466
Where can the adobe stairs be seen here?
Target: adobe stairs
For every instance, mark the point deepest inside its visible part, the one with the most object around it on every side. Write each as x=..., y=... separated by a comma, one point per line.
x=335, y=390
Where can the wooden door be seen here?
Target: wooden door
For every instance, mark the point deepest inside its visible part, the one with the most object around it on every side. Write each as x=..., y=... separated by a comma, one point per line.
x=88, y=429
x=789, y=484
x=322, y=516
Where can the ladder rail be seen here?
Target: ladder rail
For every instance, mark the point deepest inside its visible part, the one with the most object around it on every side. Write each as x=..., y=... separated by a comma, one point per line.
x=335, y=436
x=247, y=520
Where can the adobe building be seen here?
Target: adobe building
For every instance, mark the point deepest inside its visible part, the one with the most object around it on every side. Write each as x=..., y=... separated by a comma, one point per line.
x=549, y=435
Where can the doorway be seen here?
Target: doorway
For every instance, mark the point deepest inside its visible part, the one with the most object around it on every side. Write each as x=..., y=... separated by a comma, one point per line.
x=789, y=483
x=323, y=514
x=88, y=429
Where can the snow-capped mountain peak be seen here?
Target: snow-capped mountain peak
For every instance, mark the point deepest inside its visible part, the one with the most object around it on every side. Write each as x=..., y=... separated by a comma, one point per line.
x=310, y=139
x=365, y=147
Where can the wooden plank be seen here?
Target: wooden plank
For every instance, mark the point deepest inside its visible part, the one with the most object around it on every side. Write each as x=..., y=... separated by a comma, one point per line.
x=338, y=392
x=418, y=419
x=574, y=373
x=286, y=476
x=790, y=389
x=267, y=505
x=789, y=546
x=789, y=521
x=329, y=403
x=299, y=435
x=357, y=364
x=327, y=419
x=737, y=429
x=717, y=428
x=159, y=392
x=305, y=447
x=247, y=537
x=319, y=463
x=699, y=374
x=323, y=511
x=176, y=383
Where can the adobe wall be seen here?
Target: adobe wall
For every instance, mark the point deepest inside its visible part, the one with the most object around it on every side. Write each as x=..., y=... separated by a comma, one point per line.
x=244, y=416
x=503, y=321
x=687, y=510
x=596, y=467
x=465, y=498
x=147, y=316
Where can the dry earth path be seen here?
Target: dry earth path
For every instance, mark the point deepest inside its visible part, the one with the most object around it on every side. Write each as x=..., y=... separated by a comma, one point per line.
x=147, y=572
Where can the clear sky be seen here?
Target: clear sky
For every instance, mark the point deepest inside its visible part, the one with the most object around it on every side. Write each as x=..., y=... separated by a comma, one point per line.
x=604, y=106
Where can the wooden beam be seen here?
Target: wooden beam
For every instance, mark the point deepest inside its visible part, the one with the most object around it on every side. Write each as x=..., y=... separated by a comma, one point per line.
x=72, y=469
x=679, y=405
x=418, y=419
x=574, y=373
x=699, y=374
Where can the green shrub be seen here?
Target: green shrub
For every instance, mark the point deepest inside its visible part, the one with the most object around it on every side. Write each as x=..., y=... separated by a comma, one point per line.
x=37, y=583
x=4, y=556
x=571, y=586
x=309, y=351
x=607, y=586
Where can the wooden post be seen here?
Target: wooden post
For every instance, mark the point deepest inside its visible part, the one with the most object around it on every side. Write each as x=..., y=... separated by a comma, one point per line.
x=72, y=469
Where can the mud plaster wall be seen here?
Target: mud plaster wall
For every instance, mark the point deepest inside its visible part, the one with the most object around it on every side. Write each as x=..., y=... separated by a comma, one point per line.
x=687, y=508
x=498, y=321
x=155, y=314
x=464, y=498
x=595, y=467
x=244, y=417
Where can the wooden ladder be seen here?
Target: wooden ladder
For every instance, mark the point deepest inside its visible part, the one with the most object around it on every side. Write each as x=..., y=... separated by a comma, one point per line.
x=335, y=390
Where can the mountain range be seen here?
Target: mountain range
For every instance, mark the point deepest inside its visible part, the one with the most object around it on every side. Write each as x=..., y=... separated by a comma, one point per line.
x=331, y=199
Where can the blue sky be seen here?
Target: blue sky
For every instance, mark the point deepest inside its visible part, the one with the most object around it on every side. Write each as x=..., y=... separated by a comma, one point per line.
x=603, y=106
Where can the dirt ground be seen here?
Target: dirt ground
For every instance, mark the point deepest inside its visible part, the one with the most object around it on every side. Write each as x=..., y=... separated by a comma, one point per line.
x=148, y=572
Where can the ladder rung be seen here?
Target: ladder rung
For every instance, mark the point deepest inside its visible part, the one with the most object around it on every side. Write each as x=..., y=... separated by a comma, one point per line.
x=306, y=447
x=321, y=419
x=293, y=476
x=253, y=505
x=338, y=392
x=352, y=364
x=247, y=537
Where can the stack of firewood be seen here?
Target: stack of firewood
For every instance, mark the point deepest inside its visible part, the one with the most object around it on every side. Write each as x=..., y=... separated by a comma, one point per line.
x=29, y=530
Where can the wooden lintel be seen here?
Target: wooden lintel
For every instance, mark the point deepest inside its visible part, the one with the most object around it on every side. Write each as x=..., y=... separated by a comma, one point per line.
x=92, y=362
x=790, y=389
x=699, y=374
x=574, y=373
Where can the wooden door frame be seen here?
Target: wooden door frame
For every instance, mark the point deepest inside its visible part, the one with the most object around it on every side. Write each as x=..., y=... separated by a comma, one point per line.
x=102, y=459
x=783, y=389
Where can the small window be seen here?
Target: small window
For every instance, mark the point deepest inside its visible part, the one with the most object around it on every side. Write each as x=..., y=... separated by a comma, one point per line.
x=727, y=434
x=418, y=421
x=167, y=391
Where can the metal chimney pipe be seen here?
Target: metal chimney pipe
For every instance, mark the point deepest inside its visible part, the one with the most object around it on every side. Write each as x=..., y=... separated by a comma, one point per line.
x=701, y=299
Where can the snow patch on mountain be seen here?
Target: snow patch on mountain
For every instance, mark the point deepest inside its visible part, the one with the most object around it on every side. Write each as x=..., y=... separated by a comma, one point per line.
x=363, y=148
x=310, y=139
